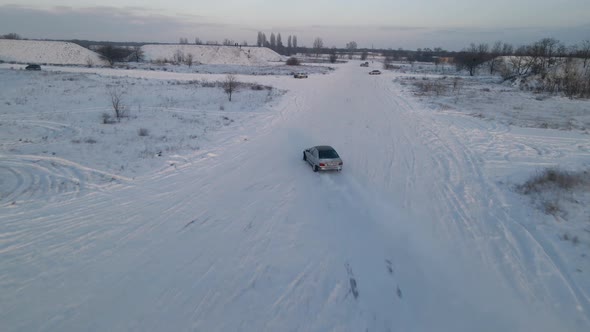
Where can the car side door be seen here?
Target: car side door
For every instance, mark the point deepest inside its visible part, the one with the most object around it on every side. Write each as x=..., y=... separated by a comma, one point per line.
x=315, y=156
x=310, y=156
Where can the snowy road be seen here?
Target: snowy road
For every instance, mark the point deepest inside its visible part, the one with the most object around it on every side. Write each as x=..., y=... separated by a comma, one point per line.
x=411, y=236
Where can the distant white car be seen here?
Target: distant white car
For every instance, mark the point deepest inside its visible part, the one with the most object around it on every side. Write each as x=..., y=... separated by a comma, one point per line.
x=375, y=72
x=300, y=75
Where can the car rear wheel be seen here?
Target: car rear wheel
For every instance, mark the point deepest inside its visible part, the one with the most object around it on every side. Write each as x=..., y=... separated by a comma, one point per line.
x=304, y=157
x=315, y=168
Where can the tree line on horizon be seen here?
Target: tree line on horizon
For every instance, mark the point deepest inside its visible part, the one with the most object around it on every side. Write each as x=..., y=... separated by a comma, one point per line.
x=535, y=58
x=275, y=43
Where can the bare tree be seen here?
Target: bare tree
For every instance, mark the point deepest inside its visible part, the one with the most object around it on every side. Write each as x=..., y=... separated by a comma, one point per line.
x=364, y=55
x=495, y=58
x=318, y=44
x=188, y=59
x=184, y=40
x=351, y=47
x=521, y=63
x=333, y=56
x=387, y=60
x=584, y=51
x=116, y=93
x=294, y=41
x=507, y=49
x=472, y=58
x=198, y=41
x=137, y=54
x=113, y=54
x=11, y=35
x=230, y=85
x=543, y=55
x=178, y=57
x=552, y=49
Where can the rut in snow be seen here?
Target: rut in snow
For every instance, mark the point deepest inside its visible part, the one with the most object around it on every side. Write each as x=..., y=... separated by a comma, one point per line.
x=353, y=286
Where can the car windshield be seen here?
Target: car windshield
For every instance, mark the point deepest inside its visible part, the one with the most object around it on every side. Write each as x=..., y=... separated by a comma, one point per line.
x=328, y=154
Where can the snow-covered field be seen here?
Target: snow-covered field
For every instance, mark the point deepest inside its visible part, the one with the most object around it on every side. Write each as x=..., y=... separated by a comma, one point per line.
x=55, y=140
x=271, y=69
x=104, y=229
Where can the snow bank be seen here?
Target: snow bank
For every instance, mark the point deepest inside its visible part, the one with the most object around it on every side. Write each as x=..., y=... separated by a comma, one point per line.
x=51, y=52
x=219, y=55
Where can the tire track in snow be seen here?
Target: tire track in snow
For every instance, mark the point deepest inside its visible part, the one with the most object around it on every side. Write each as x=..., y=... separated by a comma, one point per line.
x=23, y=128
x=500, y=241
x=28, y=178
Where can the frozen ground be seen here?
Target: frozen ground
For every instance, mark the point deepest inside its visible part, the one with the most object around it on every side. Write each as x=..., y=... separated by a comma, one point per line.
x=490, y=99
x=269, y=69
x=53, y=122
x=421, y=231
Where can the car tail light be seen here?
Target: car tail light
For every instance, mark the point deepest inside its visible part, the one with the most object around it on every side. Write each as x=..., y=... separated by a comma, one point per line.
x=322, y=165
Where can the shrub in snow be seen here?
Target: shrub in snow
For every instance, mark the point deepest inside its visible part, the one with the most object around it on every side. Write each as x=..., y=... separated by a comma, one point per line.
x=550, y=187
x=116, y=93
x=107, y=118
x=292, y=61
x=230, y=85
x=555, y=179
x=143, y=132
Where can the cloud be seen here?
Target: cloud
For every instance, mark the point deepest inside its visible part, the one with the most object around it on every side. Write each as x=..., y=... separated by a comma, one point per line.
x=401, y=28
x=145, y=25
x=101, y=23
x=514, y=35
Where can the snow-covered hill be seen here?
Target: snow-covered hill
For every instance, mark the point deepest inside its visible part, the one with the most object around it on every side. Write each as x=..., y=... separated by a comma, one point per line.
x=219, y=55
x=64, y=53
x=50, y=52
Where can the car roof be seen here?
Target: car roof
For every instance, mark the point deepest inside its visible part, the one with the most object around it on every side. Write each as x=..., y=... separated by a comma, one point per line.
x=324, y=148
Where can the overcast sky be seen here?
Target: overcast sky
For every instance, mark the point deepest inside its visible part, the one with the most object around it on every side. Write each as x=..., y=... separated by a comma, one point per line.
x=451, y=24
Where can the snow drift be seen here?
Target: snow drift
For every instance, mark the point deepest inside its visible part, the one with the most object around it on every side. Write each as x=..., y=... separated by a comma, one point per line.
x=50, y=52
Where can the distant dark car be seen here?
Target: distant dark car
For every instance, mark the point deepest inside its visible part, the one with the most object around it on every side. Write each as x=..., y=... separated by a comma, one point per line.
x=365, y=64
x=33, y=67
x=375, y=72
x=323, y=157
x=300, y=75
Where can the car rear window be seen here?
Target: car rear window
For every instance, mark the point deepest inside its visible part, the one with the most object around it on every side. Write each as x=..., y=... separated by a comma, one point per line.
x=328, y=154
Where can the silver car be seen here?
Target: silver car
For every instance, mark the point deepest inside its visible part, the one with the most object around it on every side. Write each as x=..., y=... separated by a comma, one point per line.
x=323, y=157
